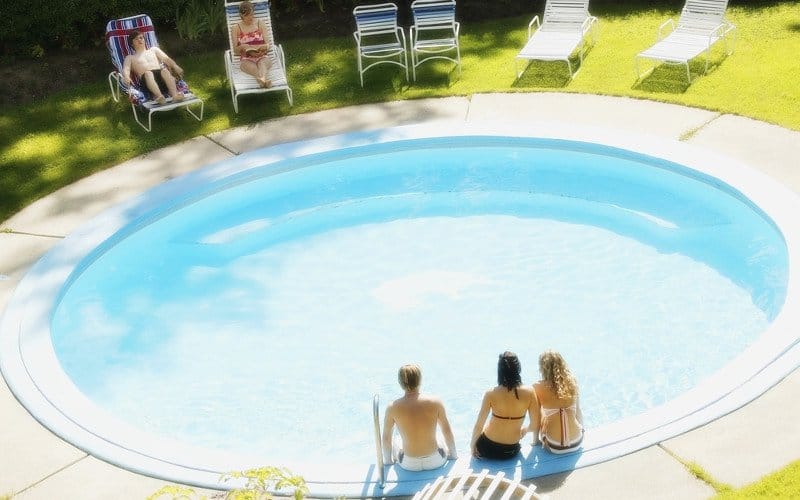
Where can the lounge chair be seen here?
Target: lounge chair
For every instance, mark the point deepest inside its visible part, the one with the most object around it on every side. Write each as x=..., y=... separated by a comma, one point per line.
x=379, y=40
x=117, y=42
x=566, y=27
x=240, y=82
x=434, y=33
x=702, y=24
x=483, y=486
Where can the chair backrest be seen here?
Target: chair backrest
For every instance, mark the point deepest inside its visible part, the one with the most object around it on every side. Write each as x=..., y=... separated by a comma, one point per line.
x=433, y=14
x=566, y=14
x=117, y=32
x=378, y=19
x=702, y=15
x=260, y=13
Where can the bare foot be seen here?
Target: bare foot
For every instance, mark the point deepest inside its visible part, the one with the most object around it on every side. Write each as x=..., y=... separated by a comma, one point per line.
x=262, y=82
x=160, y=99
x=267, y=83
x=178, y=97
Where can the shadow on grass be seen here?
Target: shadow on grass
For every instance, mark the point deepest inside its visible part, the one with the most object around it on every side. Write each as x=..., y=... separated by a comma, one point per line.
x=544, y=74
x=795, y=26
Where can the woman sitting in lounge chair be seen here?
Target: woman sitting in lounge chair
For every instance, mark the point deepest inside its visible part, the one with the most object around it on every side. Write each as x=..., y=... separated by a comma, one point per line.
x=557, y=421
x=250, y=43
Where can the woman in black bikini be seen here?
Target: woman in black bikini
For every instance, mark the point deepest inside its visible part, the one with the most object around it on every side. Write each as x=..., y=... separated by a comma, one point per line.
x=508, y=403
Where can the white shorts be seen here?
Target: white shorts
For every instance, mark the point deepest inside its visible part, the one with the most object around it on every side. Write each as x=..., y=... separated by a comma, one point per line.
x=428, y=462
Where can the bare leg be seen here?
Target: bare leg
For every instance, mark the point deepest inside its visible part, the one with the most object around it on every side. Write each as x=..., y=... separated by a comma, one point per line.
x=263, y=68
x=171, y=85
x=152, y=86
x=252, y=69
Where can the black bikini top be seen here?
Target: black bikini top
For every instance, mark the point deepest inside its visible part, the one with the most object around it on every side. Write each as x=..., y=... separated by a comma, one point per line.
x=507, y=418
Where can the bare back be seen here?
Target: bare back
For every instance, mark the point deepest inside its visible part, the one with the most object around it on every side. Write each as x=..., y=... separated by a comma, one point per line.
x=416, y=418
x=507, y=413
x=549, y=400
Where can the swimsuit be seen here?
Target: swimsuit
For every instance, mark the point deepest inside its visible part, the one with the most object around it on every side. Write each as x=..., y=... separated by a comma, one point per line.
x=495, y=415
x=428, y=462
x=492, y=449
x=250, y=38
x=563, y=445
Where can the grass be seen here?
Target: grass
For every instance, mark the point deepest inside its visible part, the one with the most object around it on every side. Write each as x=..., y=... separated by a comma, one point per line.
x=52, y=143
x=782, y=484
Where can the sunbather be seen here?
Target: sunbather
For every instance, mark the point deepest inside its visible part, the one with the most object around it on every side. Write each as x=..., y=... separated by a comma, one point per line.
x=250, y=43
x=508, y=403
x=154, y=66
x=416, y=416
x=557, y=421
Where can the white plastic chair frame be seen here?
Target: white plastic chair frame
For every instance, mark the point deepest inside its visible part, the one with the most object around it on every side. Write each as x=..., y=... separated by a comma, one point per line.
x=701, y=24
x=240, y=82
x=379, y=40
x=480, y=486
x=566, y=26
x=434, y=33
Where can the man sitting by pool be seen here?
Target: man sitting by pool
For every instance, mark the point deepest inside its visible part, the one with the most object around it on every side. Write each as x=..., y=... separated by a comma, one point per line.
x=416, y=417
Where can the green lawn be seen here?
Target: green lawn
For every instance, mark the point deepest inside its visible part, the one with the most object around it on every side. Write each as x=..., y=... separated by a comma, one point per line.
x=53, y=143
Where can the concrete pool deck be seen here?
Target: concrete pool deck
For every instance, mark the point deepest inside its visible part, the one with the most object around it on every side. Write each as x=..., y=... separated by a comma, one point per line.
x=36, y=464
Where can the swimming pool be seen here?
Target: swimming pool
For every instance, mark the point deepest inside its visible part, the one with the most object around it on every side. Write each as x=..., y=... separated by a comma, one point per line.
x=367, y=199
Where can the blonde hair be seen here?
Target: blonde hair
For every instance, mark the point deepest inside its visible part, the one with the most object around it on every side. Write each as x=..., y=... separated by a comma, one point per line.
x=409, y=377
x=554, y=370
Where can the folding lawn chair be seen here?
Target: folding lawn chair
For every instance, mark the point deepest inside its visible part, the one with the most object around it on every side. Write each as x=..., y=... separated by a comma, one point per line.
x=117, y=32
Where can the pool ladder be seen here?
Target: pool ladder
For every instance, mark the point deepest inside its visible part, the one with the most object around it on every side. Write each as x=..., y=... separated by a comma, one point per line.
x=378, y=444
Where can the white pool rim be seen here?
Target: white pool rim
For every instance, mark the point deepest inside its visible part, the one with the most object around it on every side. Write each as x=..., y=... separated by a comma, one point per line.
x=32, y=371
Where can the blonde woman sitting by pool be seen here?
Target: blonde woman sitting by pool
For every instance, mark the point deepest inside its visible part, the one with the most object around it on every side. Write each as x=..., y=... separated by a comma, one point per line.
x=250, y=43
x=557, y=422
x=508, y=403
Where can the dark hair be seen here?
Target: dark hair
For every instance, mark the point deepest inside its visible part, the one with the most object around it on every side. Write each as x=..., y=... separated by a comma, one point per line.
x=133, y=34
x=509, y=371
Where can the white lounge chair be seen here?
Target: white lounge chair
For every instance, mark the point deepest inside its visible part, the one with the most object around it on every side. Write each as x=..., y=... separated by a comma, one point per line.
x=117, y=32
x=566, y=27
x=240, y=82
x=481, y=486
x=702, y=24
x=434, y=33
x=379, y=40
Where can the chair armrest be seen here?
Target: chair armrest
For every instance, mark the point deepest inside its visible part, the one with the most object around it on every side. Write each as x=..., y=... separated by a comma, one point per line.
x=587, y=24
x=530, y=25
x=669, y=22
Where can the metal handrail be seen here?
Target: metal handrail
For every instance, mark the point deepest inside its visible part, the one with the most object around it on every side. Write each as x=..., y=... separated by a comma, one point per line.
x=378, y=443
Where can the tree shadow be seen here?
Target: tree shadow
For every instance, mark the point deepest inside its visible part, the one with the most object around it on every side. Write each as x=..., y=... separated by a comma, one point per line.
x=795, y=26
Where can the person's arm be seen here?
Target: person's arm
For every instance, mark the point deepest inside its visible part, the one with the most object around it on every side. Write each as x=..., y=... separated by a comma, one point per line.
x=388, y=429
x=238, y=49
x=126, y=71
x=447, y=431
x=171, y=65
x=263, y=28
x=535, y=413
x=483, y=414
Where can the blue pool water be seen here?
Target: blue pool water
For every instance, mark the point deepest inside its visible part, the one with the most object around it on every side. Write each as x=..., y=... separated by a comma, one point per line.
x=261, y=315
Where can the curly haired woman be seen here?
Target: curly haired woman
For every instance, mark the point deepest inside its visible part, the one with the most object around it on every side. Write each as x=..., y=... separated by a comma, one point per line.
x=558, y=423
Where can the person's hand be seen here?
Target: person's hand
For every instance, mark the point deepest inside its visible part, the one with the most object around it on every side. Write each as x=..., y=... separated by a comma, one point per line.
x=127, y=81
x=178, y=71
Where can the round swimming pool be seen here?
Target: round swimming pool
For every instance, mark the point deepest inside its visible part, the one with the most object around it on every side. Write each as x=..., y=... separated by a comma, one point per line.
x=245, y=315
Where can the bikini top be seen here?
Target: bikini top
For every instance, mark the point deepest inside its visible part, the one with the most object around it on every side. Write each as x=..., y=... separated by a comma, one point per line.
x=495, y=415
x=250, y=37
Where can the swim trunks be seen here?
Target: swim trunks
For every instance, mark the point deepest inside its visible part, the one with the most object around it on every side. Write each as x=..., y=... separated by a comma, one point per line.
x=491, y=449
x=428, y=462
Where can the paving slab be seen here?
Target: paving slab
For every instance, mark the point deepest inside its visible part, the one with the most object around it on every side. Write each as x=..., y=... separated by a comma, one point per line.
x=29, y=452
x=60, y=213
x=655, y=118
x=92, y=479
x=20, y=251
x=770, y=148
x=648, y=474
x=340, y=121
x=733, y=450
